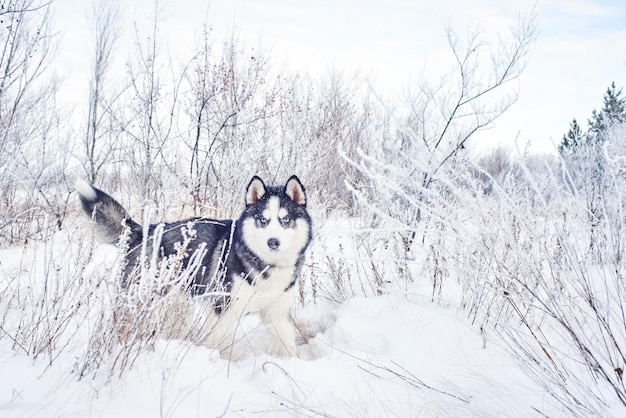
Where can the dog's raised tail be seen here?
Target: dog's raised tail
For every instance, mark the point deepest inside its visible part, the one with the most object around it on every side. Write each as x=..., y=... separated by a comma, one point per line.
x=110, y=217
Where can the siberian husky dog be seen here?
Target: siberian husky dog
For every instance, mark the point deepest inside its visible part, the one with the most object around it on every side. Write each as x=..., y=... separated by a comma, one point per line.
x=252, y=262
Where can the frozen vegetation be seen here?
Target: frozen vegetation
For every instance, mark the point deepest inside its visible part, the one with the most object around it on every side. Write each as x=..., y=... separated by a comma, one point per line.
x=439, y=283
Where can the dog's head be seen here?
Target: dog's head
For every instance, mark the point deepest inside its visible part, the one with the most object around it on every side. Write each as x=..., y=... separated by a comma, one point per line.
x=276, y=225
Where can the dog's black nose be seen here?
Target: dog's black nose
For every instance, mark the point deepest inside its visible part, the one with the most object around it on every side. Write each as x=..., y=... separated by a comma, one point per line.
x=273, y=243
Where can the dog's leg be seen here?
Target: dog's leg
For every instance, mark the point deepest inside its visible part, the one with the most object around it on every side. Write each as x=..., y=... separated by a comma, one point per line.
x=278, y=324
x=221, y=330
x=222, y=327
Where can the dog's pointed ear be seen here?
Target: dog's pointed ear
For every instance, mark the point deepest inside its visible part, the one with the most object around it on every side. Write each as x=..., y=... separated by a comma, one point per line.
x=255, y=191
x=295, y=190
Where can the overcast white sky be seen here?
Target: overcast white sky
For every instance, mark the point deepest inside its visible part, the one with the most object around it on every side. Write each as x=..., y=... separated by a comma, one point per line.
x=581, y=47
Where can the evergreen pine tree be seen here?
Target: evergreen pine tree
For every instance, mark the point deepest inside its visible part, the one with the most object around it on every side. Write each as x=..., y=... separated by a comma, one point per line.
x=583, y=151
x=572, y=139
x=613, y=111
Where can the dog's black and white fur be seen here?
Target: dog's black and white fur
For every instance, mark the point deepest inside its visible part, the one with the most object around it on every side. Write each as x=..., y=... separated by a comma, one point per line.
x=254, y=260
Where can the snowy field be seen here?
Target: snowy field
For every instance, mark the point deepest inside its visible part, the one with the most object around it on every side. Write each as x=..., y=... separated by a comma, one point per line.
x=399, y=354
x=442, y=282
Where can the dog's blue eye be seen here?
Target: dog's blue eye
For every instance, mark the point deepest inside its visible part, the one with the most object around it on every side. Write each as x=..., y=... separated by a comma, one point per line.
x=263, y=220
x=285, y=220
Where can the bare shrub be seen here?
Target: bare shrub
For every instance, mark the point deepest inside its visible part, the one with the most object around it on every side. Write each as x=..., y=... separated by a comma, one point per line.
x=47, y=296
x=230, y=101
x=495, y=164
x=31, y=158
x=154, y=304
x=552, y=296
x=99, y=141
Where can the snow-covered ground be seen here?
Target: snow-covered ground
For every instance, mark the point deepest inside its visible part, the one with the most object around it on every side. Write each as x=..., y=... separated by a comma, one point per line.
x=382, y=356
x=397, y=354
